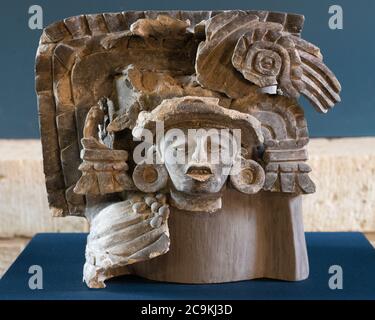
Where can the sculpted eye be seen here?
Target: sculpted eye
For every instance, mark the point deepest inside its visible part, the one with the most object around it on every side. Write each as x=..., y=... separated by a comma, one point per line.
x=180, y=148
x=212, y=145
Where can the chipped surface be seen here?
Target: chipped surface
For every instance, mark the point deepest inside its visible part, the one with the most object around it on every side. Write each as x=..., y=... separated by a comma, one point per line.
x=102, y=79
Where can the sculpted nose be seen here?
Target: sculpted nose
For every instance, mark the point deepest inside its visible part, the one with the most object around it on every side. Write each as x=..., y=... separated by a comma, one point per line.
x=199, y=154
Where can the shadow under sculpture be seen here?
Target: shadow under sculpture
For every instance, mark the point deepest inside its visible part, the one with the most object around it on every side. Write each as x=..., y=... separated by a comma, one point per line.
x=105, y=82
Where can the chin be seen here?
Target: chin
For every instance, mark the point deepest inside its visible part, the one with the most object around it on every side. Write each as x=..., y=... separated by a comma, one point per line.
x=199, y=187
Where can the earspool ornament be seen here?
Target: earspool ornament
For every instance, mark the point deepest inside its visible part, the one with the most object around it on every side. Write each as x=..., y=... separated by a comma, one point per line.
x=150, y=177
x=250, y=178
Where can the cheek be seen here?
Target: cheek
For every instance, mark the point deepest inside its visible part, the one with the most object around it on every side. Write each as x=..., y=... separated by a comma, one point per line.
x=175, y=170
x=223, y=156
x=221, y=171
x=168, y=159
x=175, y=155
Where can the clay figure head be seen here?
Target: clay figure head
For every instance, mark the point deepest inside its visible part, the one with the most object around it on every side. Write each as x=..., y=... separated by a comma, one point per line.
x=201, y=142
x=198, y=160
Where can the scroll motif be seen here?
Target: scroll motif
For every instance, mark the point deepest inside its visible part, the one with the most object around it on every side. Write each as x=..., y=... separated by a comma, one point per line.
x=267, y=57
x=239, y=47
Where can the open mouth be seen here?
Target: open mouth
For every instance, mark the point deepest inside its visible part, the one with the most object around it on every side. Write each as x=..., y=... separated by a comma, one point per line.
x=199, y=173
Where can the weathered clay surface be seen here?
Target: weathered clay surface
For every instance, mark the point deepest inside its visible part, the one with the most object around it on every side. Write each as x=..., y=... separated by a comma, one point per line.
x=124, y=233
x=102, y=80
x=21, y=173
x=240, y=47
x=334, y=163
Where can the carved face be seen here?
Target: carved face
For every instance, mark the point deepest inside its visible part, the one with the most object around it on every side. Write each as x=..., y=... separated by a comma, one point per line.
x=198, y=161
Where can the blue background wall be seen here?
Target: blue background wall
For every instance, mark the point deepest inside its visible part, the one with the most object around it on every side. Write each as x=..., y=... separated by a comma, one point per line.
x=350, y=53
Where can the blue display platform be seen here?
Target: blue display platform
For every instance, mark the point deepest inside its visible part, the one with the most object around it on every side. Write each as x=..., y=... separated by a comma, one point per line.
x=61, y=257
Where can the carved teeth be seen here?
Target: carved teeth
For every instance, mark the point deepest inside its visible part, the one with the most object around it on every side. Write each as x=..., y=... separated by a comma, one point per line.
x=199, y=173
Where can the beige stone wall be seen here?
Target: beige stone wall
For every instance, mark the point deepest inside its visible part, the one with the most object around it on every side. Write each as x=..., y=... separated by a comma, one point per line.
x=9, y=250
x=344, y=173
x=23, y=203
x=23, y=206
x=343, y=170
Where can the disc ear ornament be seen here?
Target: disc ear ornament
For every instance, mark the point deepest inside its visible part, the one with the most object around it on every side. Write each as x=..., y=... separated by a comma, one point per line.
x=150, y=177
x=250, y=178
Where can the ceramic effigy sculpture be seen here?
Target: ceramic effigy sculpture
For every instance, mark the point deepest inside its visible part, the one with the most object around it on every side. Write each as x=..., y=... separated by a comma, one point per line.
x=178, y=135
